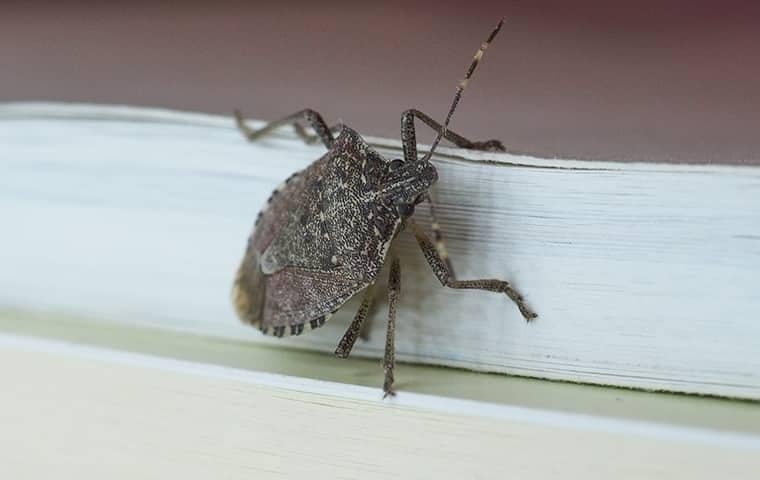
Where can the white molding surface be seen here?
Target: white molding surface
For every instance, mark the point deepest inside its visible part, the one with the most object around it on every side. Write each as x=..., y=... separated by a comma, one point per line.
x=643, y=275
x=99, y=413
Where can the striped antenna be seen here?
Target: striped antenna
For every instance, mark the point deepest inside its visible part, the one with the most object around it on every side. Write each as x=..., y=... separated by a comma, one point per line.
x=462, y=85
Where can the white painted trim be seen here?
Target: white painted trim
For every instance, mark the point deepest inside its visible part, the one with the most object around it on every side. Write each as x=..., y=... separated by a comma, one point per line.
x=126, y=113
x=643, y=274
x=402, y=399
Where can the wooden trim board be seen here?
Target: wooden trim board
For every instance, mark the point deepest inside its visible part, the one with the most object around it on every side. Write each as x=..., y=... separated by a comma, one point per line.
x=643, y=274
x=445, y=383
x=73, y=411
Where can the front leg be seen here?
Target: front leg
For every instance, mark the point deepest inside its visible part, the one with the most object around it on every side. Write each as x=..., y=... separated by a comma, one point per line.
x=447, y=279
x=409, y=144
x=409, y=136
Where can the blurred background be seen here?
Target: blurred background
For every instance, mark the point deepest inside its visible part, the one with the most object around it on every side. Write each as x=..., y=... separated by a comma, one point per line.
x=646, y=80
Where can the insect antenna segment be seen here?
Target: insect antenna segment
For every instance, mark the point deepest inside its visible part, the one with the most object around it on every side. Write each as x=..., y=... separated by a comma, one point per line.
x=462, y=85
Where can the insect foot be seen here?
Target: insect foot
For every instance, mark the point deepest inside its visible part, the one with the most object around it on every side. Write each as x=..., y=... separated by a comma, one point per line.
x=324, y=234
x=489, y=146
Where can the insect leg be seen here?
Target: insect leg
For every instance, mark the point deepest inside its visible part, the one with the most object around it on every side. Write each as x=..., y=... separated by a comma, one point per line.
x=389, y=360
x=312, y=117
x=409, y=144
x=364, y=333
x=409, y=137
x=355, y=329
x=440, y=245
x=447, y=279
x=310, y=139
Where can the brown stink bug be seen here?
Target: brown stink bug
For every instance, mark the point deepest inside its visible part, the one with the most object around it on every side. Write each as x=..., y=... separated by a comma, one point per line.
x=324, y=234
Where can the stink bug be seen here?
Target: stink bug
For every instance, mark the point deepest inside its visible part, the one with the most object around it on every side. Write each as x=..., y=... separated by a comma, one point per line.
x=324, y=234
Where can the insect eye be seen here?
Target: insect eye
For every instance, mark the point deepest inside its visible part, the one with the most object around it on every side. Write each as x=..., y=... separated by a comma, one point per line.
x=405, y=209
x=395, y=164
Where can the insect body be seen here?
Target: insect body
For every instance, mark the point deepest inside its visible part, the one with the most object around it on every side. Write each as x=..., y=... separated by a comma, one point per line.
x=325, y=232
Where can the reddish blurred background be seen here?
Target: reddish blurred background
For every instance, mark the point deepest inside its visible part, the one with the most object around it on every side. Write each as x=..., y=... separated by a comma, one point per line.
x=645, y=80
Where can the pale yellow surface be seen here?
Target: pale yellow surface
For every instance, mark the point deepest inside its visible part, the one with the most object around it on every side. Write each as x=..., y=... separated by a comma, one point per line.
x=66, y=417
x=692, y=411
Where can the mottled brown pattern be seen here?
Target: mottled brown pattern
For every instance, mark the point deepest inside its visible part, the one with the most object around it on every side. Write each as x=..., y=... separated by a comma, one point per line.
x=274, y=214
x=296, y=295
x=324, y=235
x=321, y=238
x=340, y=222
